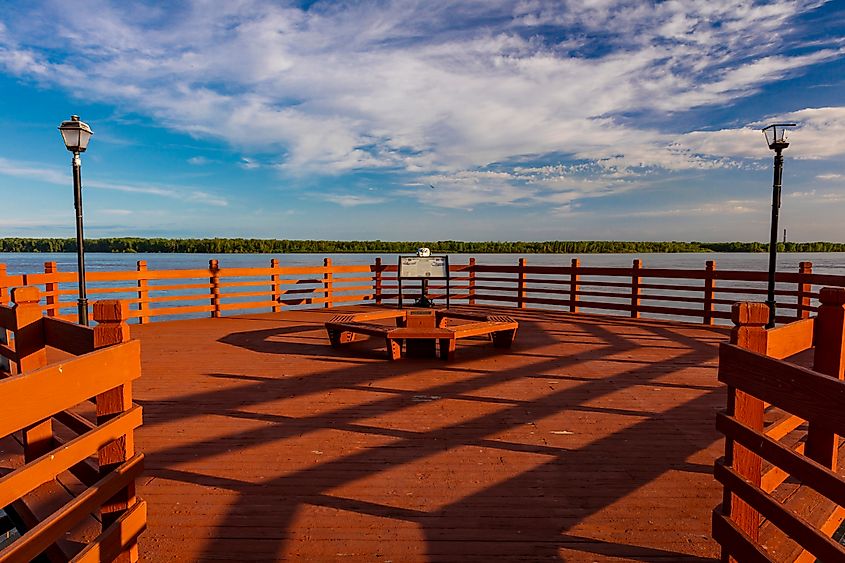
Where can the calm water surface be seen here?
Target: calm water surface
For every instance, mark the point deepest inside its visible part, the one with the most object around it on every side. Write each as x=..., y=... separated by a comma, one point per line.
x=823, y=262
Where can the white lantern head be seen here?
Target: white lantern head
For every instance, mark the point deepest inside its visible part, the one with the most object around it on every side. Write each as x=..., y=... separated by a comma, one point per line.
x=75, y=134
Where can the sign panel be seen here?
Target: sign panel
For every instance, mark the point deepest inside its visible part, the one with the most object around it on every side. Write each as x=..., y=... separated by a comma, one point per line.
x=423, y=267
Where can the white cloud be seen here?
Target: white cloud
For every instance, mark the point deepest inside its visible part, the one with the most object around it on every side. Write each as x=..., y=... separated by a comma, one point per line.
x=351, y=200
x=198, y=160
x=818, y=135
x=830, y=176
x=50, y=175
x=399, y=84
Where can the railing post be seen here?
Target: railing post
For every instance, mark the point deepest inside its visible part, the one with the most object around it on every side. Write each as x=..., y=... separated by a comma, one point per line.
x=635, y=289
x=29, y=347
x=327, y=282
x=822, y=443
x=377, y=281
x=275, y=286
x=709, y=285
x=214, y=281
x=5, y=364
x=748, y=332
x=805, y=270
x=3, y=285
x=471, y=287
x=520, y=295
x=112, y=328
x=143, y=292
x=51, y=289
x=574, y=285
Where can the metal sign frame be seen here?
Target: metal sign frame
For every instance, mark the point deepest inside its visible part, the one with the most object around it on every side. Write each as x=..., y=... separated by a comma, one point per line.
x=431, y=258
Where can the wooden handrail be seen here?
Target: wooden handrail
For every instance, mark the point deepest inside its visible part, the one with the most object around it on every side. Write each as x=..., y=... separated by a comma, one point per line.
x=697, y=295
x=758, y=377
x=104, y=364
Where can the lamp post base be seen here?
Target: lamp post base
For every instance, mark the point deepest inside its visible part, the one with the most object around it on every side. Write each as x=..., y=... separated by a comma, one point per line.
x=83, y=311
x=772, y=306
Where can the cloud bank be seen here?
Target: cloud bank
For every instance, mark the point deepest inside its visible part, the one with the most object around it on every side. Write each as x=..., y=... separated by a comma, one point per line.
x=464, y=96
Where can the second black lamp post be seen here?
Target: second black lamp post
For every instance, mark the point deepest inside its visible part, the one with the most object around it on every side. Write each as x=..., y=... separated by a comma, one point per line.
x=76, y=135
x=776, y=139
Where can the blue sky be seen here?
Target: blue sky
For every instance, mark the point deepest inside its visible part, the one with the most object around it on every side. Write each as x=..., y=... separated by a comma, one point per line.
x=398, y=120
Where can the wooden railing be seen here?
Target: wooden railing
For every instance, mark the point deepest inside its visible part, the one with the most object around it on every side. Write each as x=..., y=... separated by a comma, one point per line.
x=702, y=295
x=695, y=295
x=55, y=418
x=783, y=491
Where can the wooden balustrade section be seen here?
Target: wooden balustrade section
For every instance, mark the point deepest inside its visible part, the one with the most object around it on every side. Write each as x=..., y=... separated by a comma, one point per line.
x=39, y=467
x=702, y=295
x=783, y=494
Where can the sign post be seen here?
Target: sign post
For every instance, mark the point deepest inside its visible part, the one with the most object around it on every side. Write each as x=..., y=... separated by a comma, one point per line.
x=423, y=268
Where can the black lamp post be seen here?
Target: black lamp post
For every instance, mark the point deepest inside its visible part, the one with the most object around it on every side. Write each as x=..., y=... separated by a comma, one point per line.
x=776, y=139
x=76, y=135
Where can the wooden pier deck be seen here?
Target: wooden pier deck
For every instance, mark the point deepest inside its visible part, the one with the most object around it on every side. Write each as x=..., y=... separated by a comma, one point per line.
x=592, y=439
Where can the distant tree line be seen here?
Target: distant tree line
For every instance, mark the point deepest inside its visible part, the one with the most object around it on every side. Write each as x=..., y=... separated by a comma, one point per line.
x=274, y=246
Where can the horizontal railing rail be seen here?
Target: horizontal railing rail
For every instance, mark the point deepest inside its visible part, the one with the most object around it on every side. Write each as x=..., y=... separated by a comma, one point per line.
x=49, y=435
x=697, y=295
x=784, y=496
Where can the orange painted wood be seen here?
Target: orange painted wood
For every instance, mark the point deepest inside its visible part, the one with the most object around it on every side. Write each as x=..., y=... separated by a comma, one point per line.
x=635, y=289
x=795, y=389
x=4, y=284
x=214, y=283
x=472, y=280
x=31, y=354
x=672, y=287
x=823, y=279
x=805, y=469
x=787, y=340
x=112, y=330
x=574, y=287
x=51, y=288
x=39, y=538
x=748, y=333
x=7, y=318
x=738, y=546
x=67, y=336
x=520, y=287
x=143, y=292
x=709, y=287
x=794, y=526
x=784, y=426
x=251, y=283
x=805, y=270
x=179, y=287
x=25, y=479
x=116, y=538
x=79, y=379
x=169, y=299
x=829, y=359
x=270, y=385
x=377, y=280
x=275, y=286
x=113, y=542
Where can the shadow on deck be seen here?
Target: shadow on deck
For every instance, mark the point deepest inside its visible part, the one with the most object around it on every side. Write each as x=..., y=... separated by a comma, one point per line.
x=592, y=439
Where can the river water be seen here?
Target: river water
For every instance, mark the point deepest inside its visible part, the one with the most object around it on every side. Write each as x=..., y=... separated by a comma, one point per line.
x=823, y=262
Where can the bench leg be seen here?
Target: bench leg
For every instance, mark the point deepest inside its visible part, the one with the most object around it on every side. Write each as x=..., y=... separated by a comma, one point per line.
x=337, y=337
x=503, y=338
x=394, y=348
x=447, y=348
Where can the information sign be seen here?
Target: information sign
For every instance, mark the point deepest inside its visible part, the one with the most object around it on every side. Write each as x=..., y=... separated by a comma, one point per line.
x=423, y=267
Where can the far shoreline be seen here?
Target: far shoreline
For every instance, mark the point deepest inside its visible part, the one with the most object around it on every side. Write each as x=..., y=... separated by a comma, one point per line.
x=136, y=245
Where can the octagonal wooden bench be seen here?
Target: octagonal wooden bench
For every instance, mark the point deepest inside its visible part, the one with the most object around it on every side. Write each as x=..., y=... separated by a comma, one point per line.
x=342, y=329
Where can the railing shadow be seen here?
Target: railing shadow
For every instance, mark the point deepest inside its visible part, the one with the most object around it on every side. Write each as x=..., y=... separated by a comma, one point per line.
x=526, y=494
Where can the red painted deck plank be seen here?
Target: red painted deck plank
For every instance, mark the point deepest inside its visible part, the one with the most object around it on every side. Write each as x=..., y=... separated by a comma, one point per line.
x=592, y=439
